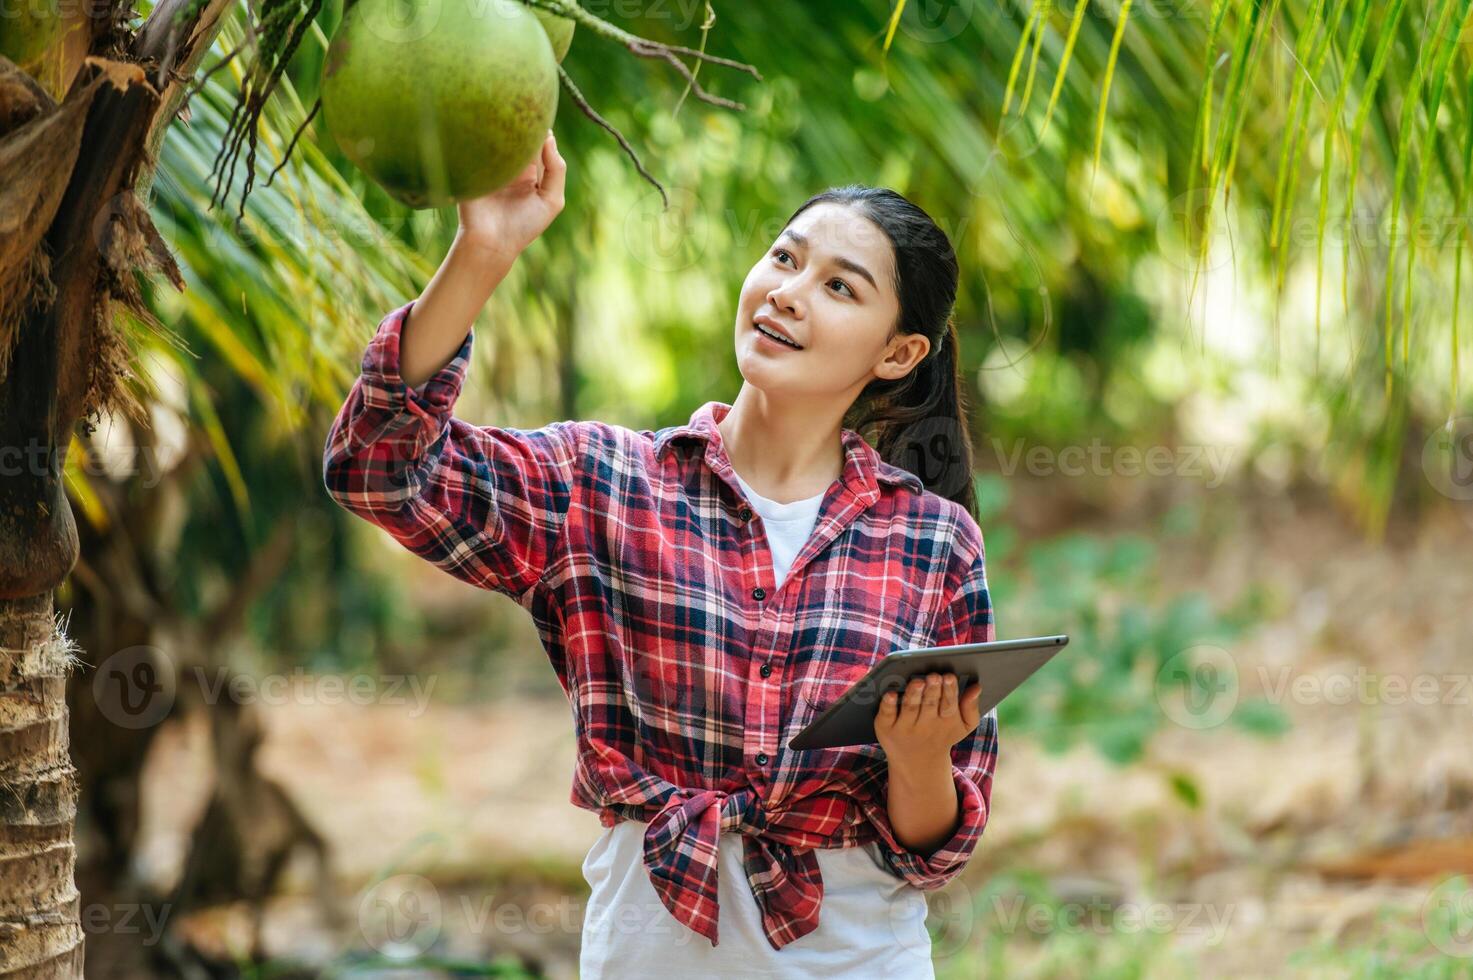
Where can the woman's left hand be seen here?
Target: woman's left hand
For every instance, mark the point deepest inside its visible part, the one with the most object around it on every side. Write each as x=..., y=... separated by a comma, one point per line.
x=931, y=719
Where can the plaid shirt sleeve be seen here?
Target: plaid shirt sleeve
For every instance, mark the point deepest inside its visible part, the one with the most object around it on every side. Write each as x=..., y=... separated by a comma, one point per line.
x=485, y=504
x=966, y=618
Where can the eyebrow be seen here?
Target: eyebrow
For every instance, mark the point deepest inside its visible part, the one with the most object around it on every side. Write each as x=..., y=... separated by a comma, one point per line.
x=839, y=260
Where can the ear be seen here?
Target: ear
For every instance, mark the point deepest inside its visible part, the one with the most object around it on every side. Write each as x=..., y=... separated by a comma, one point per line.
x=906, y=351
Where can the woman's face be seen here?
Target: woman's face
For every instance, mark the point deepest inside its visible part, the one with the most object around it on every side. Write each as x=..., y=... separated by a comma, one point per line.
x=827, y=281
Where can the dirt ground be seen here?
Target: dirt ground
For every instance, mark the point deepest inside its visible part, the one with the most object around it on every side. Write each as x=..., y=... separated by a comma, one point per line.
x=1307, y=837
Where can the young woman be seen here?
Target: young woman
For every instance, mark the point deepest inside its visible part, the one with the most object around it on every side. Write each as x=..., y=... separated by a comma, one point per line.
x=704, y=590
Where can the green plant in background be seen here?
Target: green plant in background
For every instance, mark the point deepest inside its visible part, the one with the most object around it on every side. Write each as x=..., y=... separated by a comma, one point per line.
x=1063, y=151
x=1016, y=923
x=1075, y=311
x=254, y=345
x=1427, y=943
x=1074, y=155
x=1102, y=688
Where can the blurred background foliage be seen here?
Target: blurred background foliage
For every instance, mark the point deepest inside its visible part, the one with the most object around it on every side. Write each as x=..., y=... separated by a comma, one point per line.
x=1083, y=311
x=1080, y=156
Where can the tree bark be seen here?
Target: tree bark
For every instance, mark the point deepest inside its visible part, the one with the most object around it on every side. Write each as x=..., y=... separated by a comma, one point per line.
x=40, y=923
x=72, y=225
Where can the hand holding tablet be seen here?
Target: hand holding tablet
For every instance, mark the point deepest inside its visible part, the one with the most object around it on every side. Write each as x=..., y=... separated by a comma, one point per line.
x=999, y=666
x=927, y=718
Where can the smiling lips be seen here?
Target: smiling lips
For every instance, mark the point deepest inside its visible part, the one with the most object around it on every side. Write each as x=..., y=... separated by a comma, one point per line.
x=764, y=326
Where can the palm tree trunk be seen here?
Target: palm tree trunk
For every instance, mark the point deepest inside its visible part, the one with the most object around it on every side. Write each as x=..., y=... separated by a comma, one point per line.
x=40, y=930
x=73, y=169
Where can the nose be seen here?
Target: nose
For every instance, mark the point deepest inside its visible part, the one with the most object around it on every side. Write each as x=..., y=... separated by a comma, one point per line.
x=785, y=298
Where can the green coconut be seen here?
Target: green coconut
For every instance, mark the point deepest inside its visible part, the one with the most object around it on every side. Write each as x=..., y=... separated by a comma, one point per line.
x=439, y=100
x=559, y=32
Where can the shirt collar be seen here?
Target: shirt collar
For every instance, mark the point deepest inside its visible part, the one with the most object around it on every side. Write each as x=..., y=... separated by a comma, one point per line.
x=863, y=470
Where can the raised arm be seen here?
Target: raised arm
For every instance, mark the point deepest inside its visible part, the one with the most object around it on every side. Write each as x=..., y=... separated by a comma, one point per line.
x=493, y=231
x=484, y=503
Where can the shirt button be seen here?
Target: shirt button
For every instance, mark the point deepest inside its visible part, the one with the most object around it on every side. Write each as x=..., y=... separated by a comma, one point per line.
x=766, y=670
x=761, y=758
x=759, y=593
x=745, y=513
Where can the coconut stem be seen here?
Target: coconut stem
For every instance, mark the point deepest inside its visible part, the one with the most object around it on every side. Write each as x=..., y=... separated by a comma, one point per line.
x=589, y=111
x=643, y=46
x=654, y=49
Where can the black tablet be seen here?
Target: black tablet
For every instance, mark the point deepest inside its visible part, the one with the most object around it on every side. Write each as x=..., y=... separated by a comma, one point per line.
x=1000, y=666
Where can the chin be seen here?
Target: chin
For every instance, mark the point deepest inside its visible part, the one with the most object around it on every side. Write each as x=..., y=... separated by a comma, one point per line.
x=762, y=376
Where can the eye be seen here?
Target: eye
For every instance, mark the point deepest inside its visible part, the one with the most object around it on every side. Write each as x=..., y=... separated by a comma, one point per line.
x=844, y=284
x=780, y=251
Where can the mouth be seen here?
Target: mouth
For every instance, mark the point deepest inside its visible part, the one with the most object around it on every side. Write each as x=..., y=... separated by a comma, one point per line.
x=765, y=326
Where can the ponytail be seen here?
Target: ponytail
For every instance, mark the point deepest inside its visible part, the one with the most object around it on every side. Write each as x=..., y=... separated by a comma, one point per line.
x=921, y=422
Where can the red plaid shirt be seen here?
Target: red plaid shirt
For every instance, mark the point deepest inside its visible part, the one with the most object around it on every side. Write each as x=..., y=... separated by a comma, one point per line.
x=650, y=581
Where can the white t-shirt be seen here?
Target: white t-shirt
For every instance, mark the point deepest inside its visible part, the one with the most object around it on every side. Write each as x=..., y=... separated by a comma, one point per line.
x=871, y=923
x=787, y=525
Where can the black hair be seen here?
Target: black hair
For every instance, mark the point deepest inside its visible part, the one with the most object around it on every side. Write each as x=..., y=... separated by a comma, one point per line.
x=918, y=422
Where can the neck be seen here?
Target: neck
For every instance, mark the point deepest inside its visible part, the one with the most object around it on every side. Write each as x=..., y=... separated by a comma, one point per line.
x=786, y=450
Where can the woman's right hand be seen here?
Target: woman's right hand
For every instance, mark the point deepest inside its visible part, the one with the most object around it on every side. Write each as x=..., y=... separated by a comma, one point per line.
x=508, y=219
x=494, y=229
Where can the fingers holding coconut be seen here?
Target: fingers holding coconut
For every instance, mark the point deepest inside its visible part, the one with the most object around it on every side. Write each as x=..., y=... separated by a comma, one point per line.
x=554, y=173
x=526, y=182
x=533, y=177
x=507, y=220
